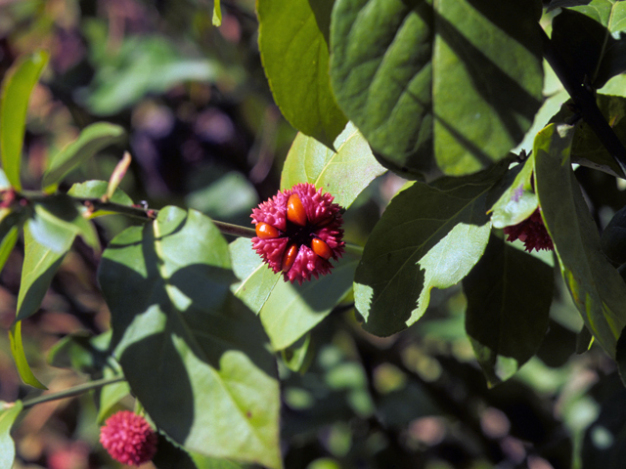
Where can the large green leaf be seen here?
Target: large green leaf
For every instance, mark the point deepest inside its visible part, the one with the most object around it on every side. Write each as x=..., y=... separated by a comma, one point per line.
x=430, y=236
x=292, y=310
x=288, y=311
x=509, y=294
x=344, y=173
x=167, y=286
x=295, y=56
x=16, y=89
x=7, y=447
x=457, y=81
x=90, y=141
x=595, y=285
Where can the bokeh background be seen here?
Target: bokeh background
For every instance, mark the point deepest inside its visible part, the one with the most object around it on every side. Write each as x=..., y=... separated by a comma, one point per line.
x=204, y=132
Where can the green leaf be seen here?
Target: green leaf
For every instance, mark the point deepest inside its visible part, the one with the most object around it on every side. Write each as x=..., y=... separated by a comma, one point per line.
x=299, y=356
x=95, y=190
x=288, y=311
x=458, y=83
x=171, y=456
x=519, y=201
x=82, y=352
x=17, y=86
x=217, y=13
x=167, y=286
x=257, y=280
x=509, y=294
x=40, y=265
x=7, y=447
x=295, y=57
x=595, y=285
x=17, y=350
x=110, y=395
x=7, y=245
x=57, y=221
x=91, y=140
x=588, y=150
x=583, y=36
x=292, y=310
x=344, y=173
x=430, y=236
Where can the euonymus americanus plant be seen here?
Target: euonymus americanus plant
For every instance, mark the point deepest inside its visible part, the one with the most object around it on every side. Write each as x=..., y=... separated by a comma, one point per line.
x=456, y=96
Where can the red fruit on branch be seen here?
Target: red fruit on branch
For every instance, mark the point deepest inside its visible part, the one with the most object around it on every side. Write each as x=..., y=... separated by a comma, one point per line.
x=308, y=232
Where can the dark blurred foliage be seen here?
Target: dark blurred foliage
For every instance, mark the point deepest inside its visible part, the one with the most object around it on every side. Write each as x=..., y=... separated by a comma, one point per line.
x=204, y=133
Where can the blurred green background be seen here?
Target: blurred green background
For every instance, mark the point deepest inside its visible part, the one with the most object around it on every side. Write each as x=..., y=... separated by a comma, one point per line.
x=204, y=133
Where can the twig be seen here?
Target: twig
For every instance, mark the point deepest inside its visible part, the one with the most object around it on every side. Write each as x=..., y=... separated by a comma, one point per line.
x=585, y=101
x=71, y=392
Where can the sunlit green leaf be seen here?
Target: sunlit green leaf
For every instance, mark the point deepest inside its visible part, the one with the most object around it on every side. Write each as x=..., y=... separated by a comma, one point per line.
x=57, y=221
x=519, y=201
x=17, y=86
x=171, y=456
x=456, y=82
x=291, y=310
x=95, y=190
x=430, y=236
x=110, y=395
x=508, y=295
x=257, y=280
x=90, y=141
x=595, y=285
x=344, y=173
x=40, y=265
x=17, y=350
x=167, y=286
x=295, y=56
x=7, y=447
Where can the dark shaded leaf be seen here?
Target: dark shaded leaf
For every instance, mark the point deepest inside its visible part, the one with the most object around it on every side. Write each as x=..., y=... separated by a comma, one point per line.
x=430, y=236
x=508, y=295
x=595, y=285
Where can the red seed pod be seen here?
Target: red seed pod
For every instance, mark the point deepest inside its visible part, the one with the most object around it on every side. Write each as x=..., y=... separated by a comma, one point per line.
x=266, y=231
x=290, y=256
x=295, y=210
x=321, y=248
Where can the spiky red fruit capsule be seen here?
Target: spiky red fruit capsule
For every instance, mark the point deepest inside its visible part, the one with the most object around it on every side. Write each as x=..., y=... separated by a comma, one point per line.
x=129, y=438
x=309, y=225
x=532, y=232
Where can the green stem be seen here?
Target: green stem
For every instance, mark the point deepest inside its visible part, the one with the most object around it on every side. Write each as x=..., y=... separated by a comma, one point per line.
x=71, y=392
x=234, y=230
x=354, y=249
